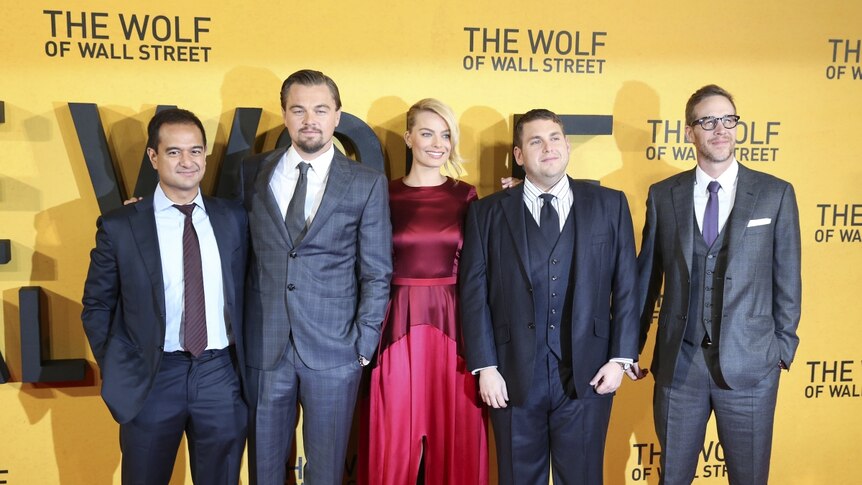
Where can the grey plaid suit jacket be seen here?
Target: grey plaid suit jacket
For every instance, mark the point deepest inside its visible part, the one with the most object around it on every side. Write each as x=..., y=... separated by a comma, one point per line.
x=762, y=289
x=330, y=292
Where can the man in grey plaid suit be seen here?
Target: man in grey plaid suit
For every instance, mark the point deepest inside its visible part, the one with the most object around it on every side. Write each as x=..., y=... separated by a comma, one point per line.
x=317, y=287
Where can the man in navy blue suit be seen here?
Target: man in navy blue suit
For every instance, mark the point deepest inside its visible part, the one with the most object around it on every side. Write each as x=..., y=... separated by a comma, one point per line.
x=163, y=314
x=548, y=307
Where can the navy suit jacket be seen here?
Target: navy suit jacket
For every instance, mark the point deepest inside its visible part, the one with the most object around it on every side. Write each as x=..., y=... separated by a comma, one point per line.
x=124, y=297
x=496, y=296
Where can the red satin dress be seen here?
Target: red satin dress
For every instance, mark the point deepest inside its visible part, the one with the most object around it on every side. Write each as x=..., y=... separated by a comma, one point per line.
x=424, y=404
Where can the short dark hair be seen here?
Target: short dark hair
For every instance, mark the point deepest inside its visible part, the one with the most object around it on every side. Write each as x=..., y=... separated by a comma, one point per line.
x=700, y=95
x=308, y=77
x=173, y=116
x=533, y=115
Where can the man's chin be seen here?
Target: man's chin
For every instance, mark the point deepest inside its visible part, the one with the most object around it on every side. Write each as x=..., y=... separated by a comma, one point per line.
x=309, y=147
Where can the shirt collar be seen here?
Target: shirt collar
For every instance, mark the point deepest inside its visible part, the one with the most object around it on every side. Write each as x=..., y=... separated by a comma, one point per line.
x=161, y=202
x=558, y=190
x=727, y=180
x=319, y=165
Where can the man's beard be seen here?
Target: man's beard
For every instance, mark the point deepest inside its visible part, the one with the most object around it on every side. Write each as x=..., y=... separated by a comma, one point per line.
x=310, y=146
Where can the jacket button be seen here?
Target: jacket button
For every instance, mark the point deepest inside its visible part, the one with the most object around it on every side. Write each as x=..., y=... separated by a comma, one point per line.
x=291, y=287
x=554, y=278
x=293, y=254
x=555, y=261
x=530, y=290
x=531, y=325
x=553, y=326
x=161, y=348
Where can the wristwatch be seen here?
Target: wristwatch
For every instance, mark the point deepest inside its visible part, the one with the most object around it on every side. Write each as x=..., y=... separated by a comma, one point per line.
x=624, y=365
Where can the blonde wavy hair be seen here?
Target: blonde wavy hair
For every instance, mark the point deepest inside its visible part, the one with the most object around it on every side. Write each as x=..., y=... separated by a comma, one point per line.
x=453, y=164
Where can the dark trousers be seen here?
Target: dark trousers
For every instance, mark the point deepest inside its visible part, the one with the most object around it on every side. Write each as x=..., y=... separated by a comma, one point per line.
x=327, y=398
x=200, y=397
x=551, y=427
x=744, y=418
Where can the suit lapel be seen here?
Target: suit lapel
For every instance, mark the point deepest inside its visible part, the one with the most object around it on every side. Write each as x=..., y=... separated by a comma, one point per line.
x=143, y=226
x=514, y=213
x=683, y=204
x=337, y=186
x=583, y=219
x=267, y=197
x=743, y=207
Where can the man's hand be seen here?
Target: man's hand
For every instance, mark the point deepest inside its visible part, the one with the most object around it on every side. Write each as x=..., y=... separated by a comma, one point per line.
x=492, y=388
x=635, y=373
x=507, y=182
x=608, y=378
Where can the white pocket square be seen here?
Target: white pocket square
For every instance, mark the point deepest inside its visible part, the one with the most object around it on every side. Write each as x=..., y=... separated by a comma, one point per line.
x=759, y=222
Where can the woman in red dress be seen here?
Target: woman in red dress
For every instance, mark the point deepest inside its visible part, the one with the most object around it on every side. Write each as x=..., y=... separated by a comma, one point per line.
x=426, y=423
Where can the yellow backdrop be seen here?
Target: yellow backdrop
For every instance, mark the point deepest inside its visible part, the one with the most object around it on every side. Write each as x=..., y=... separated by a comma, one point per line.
x=794, y=67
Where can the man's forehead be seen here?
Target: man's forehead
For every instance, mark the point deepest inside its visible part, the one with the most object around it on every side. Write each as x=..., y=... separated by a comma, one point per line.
x=542, y=127
x=316, y=95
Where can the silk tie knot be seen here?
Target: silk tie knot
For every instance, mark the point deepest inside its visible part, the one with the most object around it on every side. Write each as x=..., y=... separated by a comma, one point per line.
x=713, y=187
x=186, y=209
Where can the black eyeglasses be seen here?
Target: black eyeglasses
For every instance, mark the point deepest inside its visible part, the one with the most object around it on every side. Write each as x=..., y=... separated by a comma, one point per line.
x=709, y=123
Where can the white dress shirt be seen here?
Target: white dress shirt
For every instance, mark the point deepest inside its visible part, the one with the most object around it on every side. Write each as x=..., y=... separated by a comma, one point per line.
x=169, y=226
x=726, y=194
x=286, y=174
x=562, y=201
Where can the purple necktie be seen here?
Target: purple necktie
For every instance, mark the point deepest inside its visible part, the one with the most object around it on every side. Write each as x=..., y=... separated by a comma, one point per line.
x=710, y=215
x=194, y=306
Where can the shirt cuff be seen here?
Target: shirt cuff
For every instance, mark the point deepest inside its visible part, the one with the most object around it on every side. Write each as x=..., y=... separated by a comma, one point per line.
x=480, y=369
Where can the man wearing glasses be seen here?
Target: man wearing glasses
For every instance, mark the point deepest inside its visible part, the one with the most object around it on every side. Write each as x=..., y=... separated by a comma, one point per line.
x=725, y=241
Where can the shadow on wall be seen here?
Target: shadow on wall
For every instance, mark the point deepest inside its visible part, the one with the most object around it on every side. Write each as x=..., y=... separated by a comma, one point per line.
x=631, y=419
x=482, y=149
x=389, y=118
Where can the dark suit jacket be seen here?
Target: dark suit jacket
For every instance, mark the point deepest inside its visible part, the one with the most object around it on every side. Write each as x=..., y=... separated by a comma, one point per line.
x=762, y=288
x=331, y=290
x=496, y=298
x=124, y=297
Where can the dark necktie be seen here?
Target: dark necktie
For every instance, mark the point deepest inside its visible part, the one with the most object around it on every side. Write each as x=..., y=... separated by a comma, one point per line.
x=295, y=217
x=194, y=305
x=710, y=215
x=549, y=220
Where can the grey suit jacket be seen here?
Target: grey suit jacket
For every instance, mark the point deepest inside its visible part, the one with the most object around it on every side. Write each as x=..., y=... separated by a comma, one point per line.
x=499, y=322
x=331, y=290
x=762, y=288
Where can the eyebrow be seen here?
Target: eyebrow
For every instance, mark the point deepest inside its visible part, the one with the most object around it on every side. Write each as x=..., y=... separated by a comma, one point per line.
x=317, y=106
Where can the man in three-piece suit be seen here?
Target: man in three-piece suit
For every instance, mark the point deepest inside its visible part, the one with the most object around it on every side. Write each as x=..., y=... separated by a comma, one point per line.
x=317, y=288
x=163, y=313
x=548, y=305
x=725, y=241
